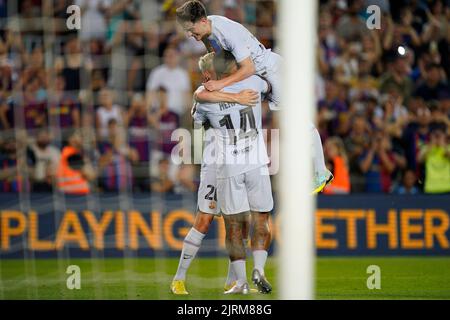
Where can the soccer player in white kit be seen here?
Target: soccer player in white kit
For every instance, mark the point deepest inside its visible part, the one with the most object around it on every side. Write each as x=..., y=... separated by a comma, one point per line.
x=219, y=33
x=207, y=194
x=243, y=182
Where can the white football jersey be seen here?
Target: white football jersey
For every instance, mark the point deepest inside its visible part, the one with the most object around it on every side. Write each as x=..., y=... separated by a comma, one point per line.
x=234, y=37
x=237, y=130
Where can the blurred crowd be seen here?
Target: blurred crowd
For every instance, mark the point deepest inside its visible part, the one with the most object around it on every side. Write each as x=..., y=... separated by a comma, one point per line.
x=94, y=109
x=384, y=96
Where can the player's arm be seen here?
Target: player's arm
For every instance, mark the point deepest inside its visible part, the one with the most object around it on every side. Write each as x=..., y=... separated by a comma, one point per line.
x=245, y=70
x=245, y=97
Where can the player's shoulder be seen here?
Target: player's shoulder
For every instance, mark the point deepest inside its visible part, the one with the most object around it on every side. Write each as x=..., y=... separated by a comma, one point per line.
x=221, y=22
x=217, y=18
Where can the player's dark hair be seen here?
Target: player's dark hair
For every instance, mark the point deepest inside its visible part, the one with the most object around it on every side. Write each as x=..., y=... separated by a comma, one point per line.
x=191, y=11
x=223, y=61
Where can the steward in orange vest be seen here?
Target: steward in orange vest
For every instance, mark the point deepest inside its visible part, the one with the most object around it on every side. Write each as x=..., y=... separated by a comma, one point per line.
x=69, y=178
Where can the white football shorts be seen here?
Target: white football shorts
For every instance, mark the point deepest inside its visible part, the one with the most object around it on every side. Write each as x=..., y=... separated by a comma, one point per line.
x=272, y=73
x=207, y=191
x=249, y=191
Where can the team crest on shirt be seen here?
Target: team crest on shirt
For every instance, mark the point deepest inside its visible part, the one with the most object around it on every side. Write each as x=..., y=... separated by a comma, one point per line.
x=212, y=205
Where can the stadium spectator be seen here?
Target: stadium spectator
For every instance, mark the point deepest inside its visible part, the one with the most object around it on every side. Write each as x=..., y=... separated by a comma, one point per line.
x=350, y=26
x=5, y=115
x=63, y=108
x=416, y=134
x=93, y=18
x=338, y=164
x=392, y=81
x=15, y=165
x=46, y=158
x=162, y=182
x=72, y=66
x=434, y=86
x=6, y=68
x=138, y=121
x=437, y=27
x=356, y=142
x=185, y=179
x=107, y=111
x=377, y=163
x=392, y=115
x=174, y=79
x=408, y=35
x=34, y=109
x=436, y=157
x=74, y=172
x=409, y=184
x=330, y=109
x=328, y=38
x=397, y=77
x=116, y=160
x=166, y=121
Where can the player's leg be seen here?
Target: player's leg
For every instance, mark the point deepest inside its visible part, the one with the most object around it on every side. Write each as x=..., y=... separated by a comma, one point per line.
x=232, y=198
x=207, y=205
x=234, y=226
x=322, y=176
x=191, y=244
x=261, y=238
x=259, y=192
x=231, y=277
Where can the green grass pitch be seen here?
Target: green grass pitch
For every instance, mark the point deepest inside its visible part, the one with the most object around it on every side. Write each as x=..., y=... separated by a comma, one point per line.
x=145, y=278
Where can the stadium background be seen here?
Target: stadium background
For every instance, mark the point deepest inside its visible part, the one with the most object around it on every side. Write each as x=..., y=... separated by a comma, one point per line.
x=124, y=81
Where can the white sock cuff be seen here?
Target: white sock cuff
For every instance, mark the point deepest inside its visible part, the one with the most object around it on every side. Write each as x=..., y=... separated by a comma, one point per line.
x=238, y=262
x=260, y=252
x=194, y=237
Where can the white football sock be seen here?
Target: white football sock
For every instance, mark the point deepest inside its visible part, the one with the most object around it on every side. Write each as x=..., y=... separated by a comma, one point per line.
x=317, y=150
x=231, y=277
x=240, y=272
x=191, y=245
x=259, y=259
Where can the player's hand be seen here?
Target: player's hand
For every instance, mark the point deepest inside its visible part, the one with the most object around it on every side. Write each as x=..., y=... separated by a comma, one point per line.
x=248, y=97
x=213, y=85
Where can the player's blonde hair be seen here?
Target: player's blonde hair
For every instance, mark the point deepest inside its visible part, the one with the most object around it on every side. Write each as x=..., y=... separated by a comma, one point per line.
x=206, y=62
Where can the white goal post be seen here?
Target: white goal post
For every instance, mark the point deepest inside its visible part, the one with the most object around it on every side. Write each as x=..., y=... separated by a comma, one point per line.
x=297, y=32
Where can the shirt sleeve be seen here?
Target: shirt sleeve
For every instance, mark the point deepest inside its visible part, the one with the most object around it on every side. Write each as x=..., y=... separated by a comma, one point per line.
x=198, y=116
x=235, y=41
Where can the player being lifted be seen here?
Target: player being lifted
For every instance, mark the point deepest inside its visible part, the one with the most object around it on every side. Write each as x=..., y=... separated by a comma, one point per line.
x=207, y=192
x=243, y=181
x=220, y=33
